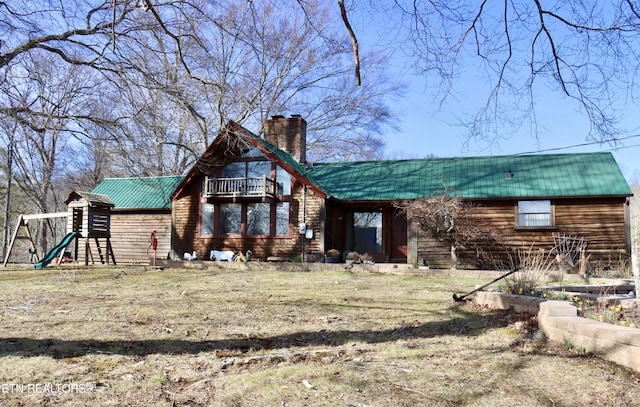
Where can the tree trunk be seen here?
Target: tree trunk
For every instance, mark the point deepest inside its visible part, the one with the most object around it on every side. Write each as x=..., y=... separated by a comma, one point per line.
x=7, y=201
x=634, y=231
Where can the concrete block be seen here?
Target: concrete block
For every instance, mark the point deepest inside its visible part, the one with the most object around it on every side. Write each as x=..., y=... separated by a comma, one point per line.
x=555, y=308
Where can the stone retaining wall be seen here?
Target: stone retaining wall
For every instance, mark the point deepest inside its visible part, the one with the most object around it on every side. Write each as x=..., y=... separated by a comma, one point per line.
x=516, y=303
x=558, y=320
x=387, y=268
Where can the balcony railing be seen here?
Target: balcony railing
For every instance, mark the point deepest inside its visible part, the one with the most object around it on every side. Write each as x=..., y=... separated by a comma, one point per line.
x=236, y=187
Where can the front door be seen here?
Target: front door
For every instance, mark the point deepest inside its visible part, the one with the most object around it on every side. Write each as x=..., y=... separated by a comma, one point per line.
x=381, y=233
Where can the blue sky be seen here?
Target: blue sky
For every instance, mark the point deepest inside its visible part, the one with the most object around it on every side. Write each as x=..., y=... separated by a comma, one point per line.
x=425, y=129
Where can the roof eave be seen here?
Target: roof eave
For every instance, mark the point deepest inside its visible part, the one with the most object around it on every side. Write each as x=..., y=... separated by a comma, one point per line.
x=523, y=197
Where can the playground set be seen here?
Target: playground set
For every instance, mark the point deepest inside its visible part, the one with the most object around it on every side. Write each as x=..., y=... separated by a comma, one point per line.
x=88, y=219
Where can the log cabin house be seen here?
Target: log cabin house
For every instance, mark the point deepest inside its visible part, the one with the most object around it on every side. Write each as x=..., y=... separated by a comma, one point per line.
x=259, y=193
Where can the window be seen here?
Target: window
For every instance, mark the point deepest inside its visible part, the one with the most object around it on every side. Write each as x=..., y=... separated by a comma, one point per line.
x=258, y=169
x=254, y=152
x=246, y=169
x=283, y=181
x=367, y=232
x=535, y=214
x=233, y=170
x=258, y=219
x=230, y=218
x=207, y=221
x=246, y=215
x=282, y=219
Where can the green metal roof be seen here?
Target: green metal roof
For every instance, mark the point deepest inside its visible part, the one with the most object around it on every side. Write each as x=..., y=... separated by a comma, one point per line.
x=548, y=175
x=139, y=193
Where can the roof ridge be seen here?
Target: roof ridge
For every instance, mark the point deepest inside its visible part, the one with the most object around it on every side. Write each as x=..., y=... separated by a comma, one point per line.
x=483, y=157
x=148, y=176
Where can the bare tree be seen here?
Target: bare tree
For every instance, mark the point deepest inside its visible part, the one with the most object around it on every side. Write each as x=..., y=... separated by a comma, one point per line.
x=450, y=219
x=584, y=50
x=246, y=61
x=9, y=129
x=257, y=61
x=93, y=88
x=46, y=100
x=174, y=72
x=634, y=212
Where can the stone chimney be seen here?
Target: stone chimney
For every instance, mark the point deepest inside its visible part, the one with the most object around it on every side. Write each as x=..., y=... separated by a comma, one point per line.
x=288, y=134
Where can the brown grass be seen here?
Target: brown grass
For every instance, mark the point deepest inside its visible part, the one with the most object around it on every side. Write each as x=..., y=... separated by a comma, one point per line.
x=274, y=338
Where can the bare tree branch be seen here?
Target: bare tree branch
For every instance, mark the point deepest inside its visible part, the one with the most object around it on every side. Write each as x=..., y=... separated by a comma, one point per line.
x=354, y=40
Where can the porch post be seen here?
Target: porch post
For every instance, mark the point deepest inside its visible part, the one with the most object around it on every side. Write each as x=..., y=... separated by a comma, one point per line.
x=412, y=243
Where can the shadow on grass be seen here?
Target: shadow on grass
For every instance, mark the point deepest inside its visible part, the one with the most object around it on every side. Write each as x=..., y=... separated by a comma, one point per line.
x=463, y=323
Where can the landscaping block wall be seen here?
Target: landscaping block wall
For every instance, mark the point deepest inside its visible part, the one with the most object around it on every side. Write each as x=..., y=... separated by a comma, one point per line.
x=558, y=320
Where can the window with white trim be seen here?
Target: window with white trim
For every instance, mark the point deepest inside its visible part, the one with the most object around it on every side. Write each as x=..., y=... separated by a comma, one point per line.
x=535, y=214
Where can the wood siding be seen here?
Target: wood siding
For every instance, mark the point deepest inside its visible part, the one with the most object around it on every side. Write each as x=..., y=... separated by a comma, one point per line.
x=601, y=222
x=131, y=237
x=187, y=238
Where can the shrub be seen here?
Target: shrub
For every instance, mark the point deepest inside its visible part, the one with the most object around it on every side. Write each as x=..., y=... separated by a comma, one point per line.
x=535, y=269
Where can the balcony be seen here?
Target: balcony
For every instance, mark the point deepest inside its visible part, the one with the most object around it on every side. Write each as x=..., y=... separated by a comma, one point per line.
x=240, y=187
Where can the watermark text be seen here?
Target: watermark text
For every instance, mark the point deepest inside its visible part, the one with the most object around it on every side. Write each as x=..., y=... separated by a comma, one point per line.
x=45, y=388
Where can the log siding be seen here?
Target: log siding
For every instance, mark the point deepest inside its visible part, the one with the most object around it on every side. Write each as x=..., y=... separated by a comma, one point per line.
x=601, y=222
x=305, y=206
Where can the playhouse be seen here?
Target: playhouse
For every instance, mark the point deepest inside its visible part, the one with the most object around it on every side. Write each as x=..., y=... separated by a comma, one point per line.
x=91, y=218
x=88, y=224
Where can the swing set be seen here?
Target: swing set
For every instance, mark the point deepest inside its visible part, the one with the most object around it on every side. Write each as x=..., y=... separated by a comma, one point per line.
x=23, y=224
x=88, y=218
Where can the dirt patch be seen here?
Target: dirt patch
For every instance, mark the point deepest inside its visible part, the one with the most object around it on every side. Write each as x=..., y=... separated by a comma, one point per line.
x=198, y=337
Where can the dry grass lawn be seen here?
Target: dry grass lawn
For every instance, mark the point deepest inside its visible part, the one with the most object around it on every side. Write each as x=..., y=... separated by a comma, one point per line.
x=274, y=338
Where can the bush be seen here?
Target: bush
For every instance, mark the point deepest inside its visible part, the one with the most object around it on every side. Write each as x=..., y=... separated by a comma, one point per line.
x=535, y=269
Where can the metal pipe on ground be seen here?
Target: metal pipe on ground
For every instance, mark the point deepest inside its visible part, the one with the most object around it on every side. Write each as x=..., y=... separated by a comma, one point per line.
x=461, y=298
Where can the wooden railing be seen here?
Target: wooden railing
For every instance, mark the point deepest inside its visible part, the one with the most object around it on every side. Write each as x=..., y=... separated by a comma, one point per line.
x=234, y=187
